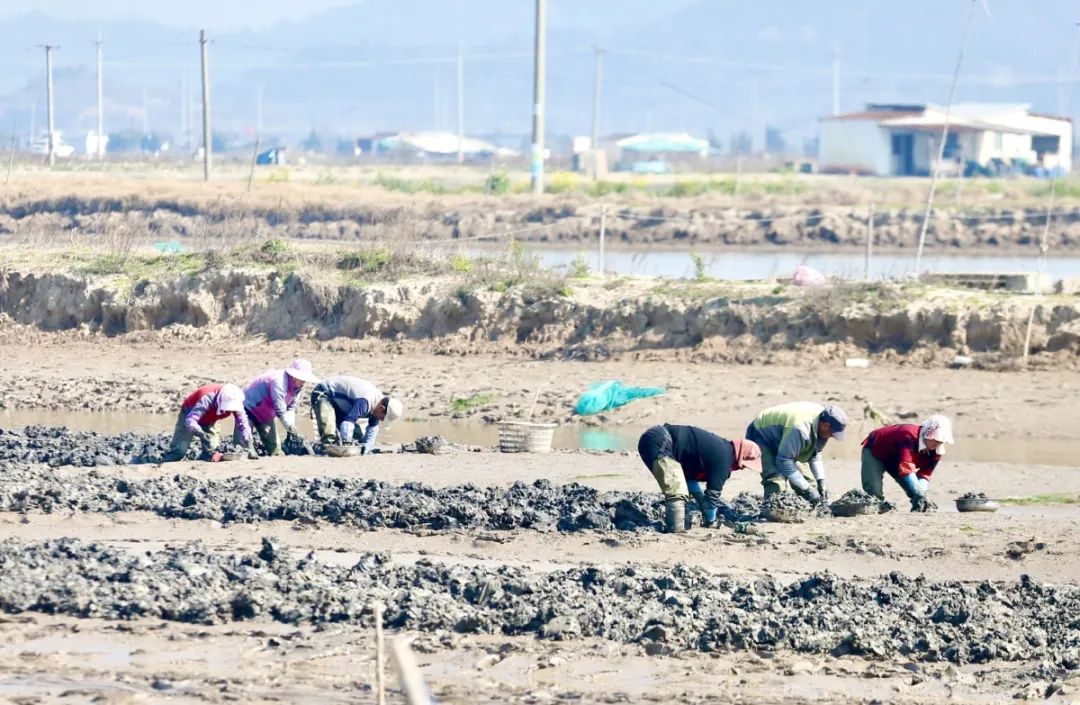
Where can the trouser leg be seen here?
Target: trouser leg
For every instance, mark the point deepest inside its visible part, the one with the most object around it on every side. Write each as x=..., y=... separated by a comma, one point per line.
x=181, y=440
x=325, y=418
x=713, y=489
x=213, y=438
x=873, y=473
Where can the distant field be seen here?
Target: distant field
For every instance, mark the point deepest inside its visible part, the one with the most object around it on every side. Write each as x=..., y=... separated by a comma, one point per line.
x=320, y=181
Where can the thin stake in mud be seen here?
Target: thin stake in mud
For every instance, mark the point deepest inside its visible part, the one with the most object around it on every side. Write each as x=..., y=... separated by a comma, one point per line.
x=412, y=682
x=380, y=653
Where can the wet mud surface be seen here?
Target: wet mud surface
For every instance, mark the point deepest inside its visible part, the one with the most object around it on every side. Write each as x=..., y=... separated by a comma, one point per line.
x=675, y=610
x=367, y=504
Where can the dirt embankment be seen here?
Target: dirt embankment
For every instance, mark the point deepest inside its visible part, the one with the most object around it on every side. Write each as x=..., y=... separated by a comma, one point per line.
x=585, y=319
x=554, y=220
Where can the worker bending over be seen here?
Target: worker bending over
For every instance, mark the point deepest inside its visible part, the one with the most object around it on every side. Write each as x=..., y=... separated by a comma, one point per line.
x=795, y=433
x=683, y=456
x=273, y=395
x=199, y=414
x=339, y=402
x=908, y=453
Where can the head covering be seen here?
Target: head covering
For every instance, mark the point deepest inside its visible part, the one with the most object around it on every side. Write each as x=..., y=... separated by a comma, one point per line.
x=837, y=420
x=936, y=428
x=394, y=409
x=747, y=455
x=300, y=370
x=230, y=398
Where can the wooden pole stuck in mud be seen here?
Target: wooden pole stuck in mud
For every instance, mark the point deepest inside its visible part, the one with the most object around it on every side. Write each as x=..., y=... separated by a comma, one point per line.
x=380, y=654
x=11, y=156
x=254, y=158
x=603, y=235
x=869, y=243
x=412, y=682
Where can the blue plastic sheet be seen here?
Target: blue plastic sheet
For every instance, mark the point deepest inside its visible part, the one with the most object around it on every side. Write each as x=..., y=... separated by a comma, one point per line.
x=604, y=396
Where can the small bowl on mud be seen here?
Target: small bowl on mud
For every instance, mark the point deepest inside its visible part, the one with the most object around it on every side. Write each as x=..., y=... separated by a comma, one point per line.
x=976, y=504
x=229, y=457
x=336, y=451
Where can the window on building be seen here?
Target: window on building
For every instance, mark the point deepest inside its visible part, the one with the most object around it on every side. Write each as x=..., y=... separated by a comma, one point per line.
x=952, y=146
x=1046, y=144
x=999, y=141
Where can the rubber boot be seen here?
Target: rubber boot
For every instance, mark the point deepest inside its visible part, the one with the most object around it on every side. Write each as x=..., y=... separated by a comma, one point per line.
x=674, y=516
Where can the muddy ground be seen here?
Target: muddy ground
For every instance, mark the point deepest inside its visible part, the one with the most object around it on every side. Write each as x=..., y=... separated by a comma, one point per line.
x=115, y=606
x=525, y=593
x=133, y=375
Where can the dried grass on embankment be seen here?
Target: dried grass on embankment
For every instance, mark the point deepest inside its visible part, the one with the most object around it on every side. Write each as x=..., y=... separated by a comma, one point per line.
x=830, y=214
x=456, y=304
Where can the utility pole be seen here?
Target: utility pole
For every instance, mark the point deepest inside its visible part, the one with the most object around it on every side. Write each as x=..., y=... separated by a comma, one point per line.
x=598, y=83
x=183, y=106
x=49, y=103
x=460, y=103
x=437, y=99
x=835, y=81
x=207, y=141
x=539, y=71
x=145, y=113
x=258, y=111
x=100, y=101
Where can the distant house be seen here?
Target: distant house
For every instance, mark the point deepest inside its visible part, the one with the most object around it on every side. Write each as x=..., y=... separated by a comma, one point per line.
x=986, y=138
x=430, y=145
x=654, y=152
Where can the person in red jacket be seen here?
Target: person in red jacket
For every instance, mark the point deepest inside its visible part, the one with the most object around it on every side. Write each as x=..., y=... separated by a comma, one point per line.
x=201, y=411
x=908, y=453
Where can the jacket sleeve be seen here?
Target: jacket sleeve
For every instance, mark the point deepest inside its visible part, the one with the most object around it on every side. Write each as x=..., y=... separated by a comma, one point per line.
x=244, y=426
x=791, y=446
x=906, y=465
x=197, y=411
x=278, y=394
x=369, y=436
x=817, y=468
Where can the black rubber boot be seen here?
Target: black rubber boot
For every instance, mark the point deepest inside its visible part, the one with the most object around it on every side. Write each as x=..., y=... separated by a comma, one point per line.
x=674, y=516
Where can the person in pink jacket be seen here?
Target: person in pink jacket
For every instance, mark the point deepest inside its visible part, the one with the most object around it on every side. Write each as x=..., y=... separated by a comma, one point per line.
x=272, y=396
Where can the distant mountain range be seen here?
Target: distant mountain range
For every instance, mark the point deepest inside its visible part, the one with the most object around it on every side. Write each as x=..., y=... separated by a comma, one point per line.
x=705, y=66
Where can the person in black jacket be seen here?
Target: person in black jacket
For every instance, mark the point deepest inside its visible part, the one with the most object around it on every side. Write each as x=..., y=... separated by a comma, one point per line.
x=680, y=455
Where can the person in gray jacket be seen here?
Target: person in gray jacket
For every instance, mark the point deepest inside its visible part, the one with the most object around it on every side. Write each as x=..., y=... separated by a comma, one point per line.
x=340, y=402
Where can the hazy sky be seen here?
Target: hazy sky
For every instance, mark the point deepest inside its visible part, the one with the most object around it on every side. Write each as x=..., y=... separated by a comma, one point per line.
x=212, y=14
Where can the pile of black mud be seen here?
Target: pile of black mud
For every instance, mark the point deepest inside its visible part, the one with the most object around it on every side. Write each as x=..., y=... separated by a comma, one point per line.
x=367, y=504
x=973, y=495
x=57, y=445
x=855, y=500
x=667, y=610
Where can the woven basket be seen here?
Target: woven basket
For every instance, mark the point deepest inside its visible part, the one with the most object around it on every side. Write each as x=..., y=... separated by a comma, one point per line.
x=525, y=437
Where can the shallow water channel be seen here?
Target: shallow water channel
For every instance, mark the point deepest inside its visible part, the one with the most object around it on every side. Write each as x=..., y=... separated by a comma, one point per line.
x=1060, y=452
x=743, y=265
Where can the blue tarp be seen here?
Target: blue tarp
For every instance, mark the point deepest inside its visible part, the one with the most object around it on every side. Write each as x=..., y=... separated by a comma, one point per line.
x=604, y=396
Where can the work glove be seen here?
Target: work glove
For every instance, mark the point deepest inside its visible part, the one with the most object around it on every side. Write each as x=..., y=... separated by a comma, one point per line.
x=251, y=453
x=810, y=494
x=920, y=504
x=822, y=491
x=912, y=487
x=202, y=436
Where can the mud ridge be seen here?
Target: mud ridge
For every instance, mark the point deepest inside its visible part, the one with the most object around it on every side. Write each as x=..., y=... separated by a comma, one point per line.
x=588, y=321
x=567, y=221
x=678, y=609
x=365, y=504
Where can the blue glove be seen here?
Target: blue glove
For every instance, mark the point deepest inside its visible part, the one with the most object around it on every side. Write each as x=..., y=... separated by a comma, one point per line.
x=913, y=486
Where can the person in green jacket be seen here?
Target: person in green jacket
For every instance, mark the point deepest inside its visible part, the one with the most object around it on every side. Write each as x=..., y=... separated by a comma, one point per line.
x=795, y=433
